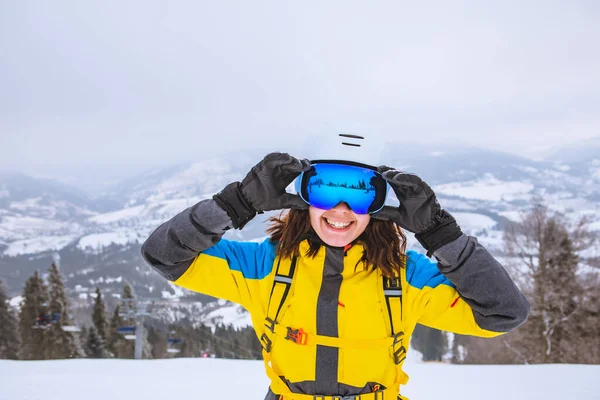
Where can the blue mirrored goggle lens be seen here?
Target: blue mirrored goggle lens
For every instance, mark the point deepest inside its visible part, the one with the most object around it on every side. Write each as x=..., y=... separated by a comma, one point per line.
x=326, y=185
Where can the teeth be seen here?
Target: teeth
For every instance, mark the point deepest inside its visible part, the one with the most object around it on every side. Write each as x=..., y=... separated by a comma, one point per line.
x=336, y=224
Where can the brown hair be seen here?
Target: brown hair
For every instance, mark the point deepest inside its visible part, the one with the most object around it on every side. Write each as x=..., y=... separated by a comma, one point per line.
x=383, y=242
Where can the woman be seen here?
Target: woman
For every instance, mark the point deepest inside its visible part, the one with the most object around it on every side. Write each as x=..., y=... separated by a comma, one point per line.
x=333, y=297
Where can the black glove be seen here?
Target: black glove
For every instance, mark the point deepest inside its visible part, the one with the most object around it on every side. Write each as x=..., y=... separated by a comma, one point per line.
x=263, y=189
x=419, y=211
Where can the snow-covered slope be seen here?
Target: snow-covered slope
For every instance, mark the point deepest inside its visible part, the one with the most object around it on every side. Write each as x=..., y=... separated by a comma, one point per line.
x=209, y=379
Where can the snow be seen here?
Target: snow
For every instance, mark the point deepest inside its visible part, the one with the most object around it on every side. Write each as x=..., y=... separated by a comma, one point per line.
x=115, y=216
x=455, y=204
x=206, y=378
x=594, y=226
x=210, y=174
x=71, y=328
x=97, y=241
x=231, y=314
x=178, y=292
x=24, y=227
x=487, y=188
x=38, y=245
x=16, y=302
x=473, y=223
x=174, y=206
x=514, y=216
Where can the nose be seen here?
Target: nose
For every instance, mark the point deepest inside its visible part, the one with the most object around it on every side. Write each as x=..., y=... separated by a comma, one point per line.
x=342, y=207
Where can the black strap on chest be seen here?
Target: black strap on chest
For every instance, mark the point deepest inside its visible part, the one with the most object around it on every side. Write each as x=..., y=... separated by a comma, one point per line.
x=279, y=293
x=392, y=290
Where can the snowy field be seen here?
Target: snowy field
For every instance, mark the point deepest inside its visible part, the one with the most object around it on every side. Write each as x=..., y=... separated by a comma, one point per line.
x=196, y=378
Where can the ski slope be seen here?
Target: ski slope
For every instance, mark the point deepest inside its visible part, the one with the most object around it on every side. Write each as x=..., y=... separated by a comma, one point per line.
x=196, y=378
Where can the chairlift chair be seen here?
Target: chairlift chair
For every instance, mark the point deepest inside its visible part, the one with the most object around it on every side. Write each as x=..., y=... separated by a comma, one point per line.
x=124, y=330
x=43, y=321
x=173, y=344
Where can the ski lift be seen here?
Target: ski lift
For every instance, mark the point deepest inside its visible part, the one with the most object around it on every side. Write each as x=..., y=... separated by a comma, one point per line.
x=124, y=330
x=44, y=320
x=173, y=344
x=128, y=332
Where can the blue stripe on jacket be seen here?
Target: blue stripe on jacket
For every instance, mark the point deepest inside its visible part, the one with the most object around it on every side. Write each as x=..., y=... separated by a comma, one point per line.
x=253, y=260
x=421, y=271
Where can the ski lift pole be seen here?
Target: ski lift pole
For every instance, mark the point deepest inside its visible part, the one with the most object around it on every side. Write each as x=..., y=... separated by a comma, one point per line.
x=139, y=336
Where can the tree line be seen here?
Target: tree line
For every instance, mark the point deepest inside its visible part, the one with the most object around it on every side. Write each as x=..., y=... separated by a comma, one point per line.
x=556, y=263
x=43, y=329
x=543, y=253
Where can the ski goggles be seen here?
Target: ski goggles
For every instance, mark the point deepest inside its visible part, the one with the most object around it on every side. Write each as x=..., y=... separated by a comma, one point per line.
x=328, y=183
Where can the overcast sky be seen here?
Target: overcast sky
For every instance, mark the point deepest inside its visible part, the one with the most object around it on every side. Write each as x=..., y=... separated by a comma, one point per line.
x=117, y=86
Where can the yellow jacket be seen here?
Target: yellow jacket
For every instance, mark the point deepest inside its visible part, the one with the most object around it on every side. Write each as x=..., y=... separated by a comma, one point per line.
x=333, y=295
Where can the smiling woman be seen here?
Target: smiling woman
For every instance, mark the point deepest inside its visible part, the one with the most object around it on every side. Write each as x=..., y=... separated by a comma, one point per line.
x=332, y=293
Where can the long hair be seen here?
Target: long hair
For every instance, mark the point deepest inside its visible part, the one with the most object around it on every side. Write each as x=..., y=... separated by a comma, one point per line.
x=383, y=242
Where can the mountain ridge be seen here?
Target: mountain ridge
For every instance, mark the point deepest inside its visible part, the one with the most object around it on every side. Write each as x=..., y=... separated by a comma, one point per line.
x=102, y=235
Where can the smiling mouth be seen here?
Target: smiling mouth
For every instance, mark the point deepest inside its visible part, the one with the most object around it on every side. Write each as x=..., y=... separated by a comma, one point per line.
x=338, y=225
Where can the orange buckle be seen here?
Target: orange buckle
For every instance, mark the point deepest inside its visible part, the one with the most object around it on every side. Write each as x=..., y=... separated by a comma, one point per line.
x=297, y=336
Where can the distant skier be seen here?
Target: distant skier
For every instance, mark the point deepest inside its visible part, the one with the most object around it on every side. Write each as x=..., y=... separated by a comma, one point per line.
x=333, y=295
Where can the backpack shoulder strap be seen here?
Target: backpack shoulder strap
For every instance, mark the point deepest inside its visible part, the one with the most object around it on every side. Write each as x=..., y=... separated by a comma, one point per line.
x=392, y=291
x=282, y=283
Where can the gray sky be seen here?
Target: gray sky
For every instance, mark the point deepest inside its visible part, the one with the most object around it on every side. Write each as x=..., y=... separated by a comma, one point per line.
x=114, y=87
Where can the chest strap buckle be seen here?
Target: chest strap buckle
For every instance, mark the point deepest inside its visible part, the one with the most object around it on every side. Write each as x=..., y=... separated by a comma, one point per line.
x=297, y=336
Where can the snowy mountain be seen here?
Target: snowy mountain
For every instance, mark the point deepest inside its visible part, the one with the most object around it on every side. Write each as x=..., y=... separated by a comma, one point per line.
x=97, y=240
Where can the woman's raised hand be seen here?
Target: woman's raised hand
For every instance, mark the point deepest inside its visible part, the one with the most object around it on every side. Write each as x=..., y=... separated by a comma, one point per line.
x=419, y=210
x=265, y=184
x=263, y=189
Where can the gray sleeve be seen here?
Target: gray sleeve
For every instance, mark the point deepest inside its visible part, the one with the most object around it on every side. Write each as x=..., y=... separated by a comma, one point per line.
x=498, y=305
x=174, y=245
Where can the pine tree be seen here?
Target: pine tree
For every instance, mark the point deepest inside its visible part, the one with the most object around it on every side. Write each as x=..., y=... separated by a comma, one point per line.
x=432, y=343
x=33, y=310
x=128, y=297
x=158, y=343
x=113, y=338
x=9, y=337
x=99, y=316
x=94, y=345
x=126, y=348
x=61, y=344
x=556, y=294
x=117, y=345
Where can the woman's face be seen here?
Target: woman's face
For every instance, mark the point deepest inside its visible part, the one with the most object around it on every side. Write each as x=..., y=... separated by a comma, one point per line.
x=339, y=226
